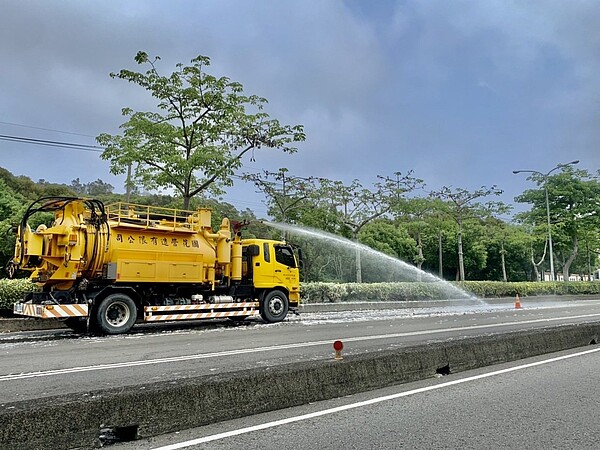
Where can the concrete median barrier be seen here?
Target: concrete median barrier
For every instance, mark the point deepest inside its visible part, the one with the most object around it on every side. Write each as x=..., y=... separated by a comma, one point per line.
x=128, y=413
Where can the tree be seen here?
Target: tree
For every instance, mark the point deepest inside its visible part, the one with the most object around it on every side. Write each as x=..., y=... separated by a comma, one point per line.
x=418, y=216
x=383, y=236
x=32, y=190
x=22, y=185
x=284, y=193
x=47, y=189
x=12, y=206
x=438, y=238
x=574, y=210
x=94, y=189
x=460, y=207
x=358, y=205
x=196, y=138
x=590, y=236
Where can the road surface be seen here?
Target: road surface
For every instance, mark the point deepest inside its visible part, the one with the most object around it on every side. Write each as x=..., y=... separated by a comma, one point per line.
x=41, y=364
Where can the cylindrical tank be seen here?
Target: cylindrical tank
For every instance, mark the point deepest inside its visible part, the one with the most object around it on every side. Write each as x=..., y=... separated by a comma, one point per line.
x=137, y=243
x=236, y=258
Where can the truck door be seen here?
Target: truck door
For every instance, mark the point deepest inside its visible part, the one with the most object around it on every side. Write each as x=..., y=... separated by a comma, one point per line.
x=285, y=269
x=275, y=266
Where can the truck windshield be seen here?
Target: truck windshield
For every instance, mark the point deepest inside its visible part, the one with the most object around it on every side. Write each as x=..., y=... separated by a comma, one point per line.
x=285, y=255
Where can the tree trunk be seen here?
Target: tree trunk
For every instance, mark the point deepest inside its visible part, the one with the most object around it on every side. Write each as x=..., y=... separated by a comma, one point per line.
x=420, y=257
x=589, y=261
x=461, y=262
x=502, y=251
x=536, y=265
x=440, y=255
x=536, y=272
x=570, y=259
x=358, y=264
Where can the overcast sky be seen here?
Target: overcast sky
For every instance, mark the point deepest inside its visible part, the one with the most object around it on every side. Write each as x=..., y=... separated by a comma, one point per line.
x=460, y=92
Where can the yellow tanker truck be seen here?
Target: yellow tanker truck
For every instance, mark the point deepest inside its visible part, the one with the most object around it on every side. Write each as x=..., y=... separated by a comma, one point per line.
x=102, y=268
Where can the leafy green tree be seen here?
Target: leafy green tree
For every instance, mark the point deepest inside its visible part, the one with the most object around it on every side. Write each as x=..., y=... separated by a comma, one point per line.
x=461, y=206
x=499, y=230
x=519, y=265
x=383, y=236
x=196, y=138
x=22, y=185
x=439, y=247
x=49, y=189
x=322, y=216
x=538, y=247
x=358, y=205
x=93, y=189
x=475, y=250
x=574, y=206
x=323, y=261
x=589, y=260
x=418, y=216
x=31, y=190
x=12, y=207
x=438, y=239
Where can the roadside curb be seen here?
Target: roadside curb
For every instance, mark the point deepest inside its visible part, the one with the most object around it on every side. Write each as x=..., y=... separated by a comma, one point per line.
x=76, y=420
x=29, y=324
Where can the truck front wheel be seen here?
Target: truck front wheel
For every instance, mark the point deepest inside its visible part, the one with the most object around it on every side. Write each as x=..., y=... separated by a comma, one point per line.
x=274, y=306
x=116, y=314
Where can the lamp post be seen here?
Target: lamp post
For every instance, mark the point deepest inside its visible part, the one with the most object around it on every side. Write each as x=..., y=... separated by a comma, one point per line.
x=545, y=178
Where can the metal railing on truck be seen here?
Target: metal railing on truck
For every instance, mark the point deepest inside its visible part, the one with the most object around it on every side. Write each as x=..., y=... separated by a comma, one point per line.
x=151, y=217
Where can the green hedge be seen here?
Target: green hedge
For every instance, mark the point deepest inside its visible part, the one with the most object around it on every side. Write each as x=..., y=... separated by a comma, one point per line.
x=352, y=292
x=12, y=291
x=500, y=289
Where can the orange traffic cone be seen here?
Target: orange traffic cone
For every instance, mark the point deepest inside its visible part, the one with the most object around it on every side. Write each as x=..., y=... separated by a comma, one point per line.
x=517, y=302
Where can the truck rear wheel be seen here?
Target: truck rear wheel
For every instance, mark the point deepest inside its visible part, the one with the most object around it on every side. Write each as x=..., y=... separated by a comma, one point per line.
x=116, y=314
x=274, y=306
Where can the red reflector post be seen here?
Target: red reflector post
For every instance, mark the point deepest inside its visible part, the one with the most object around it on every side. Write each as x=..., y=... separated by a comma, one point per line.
x=338, y=346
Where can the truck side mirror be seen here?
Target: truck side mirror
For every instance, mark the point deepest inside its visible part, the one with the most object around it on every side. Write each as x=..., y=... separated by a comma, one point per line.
x=300, y=258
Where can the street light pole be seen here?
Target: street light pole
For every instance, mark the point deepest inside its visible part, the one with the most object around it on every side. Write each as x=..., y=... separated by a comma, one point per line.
x=545, y=178
x=552, y=277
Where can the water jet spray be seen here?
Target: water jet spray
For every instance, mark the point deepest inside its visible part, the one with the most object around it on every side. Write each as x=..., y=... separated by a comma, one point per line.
x=407, y=271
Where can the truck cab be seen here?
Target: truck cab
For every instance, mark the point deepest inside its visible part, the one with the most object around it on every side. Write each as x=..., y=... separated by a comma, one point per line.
x=269, y=264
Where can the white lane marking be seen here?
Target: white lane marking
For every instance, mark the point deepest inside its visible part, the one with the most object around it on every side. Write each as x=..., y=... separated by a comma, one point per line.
x=372, y=401
x=171, y=359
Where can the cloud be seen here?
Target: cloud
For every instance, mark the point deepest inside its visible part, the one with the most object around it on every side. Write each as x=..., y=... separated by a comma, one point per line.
x=462, y=92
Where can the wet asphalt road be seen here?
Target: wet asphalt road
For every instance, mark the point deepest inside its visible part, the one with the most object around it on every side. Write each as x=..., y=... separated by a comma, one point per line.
x=40, y=364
